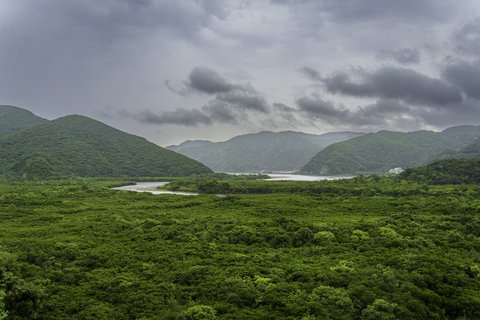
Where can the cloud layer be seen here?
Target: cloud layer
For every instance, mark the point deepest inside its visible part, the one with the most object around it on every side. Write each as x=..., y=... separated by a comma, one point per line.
x=172, y=70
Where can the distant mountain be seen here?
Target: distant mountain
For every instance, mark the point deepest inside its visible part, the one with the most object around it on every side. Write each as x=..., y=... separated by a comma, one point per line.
x=264, y=151
x=80, y=146
x=381, y=151
x=472, y=150
x=14, y=119
x=189, y=144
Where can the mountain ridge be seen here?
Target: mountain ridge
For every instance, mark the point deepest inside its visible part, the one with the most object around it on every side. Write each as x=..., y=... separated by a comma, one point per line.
x=380, y=151
x=14, y=119
x=265, y=151
x=76, y=145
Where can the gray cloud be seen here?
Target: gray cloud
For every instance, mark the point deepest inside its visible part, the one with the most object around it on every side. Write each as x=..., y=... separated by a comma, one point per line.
x=361, y=10
x=317, y=107
x=241, y=97
x=283, y=107
x=404, y=55
x=396, y=83
x=368, y=10
x=311, y=73
x=246, y=98
x=97, y=57
x=383, y=113
x=179, y=116
x=220, y=112
x=208, y=81
x=467, y=38
x=466, y=75
x=388, y=113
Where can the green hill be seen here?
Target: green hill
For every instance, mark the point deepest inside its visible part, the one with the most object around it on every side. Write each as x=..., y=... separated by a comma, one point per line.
x=473, y=148
x=263, y=151
x=80, y=146
x=381, y=151
x=188, y=144
x=14, y=119
x=450, y=171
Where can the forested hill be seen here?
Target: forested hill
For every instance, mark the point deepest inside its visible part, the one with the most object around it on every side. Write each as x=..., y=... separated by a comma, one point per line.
x=14, y=119
x=189, y=144
x=79, y=146
x=381, y=151
x=450, y=171
x=263, y=151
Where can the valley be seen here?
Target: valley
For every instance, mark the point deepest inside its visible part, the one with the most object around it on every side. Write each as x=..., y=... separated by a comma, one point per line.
x=100, y=224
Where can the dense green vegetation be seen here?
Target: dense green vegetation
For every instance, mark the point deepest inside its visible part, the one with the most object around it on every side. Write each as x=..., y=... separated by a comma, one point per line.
x=451, y=171
x=263, y=151
x=470, y=151
x=14, y=119
x=80, y=146
x=384, y=150
x=358, y=186
x=78, y=250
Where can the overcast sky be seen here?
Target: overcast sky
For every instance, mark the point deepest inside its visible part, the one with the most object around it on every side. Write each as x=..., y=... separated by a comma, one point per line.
x=171, y=70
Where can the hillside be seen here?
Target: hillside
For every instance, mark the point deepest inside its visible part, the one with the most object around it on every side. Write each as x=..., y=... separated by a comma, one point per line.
x=381, y=151
x=80, y=146
x=14, y=119
x=264, y=151
x=450, y=171
x=189, y=144
x=473, y=149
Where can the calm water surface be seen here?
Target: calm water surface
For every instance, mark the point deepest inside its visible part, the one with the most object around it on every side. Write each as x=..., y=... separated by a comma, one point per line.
x=151, y=187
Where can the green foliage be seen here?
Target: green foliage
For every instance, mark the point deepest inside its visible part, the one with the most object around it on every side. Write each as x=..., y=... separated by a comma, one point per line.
x=380, y=310
x=200, y=312
x=451, y=171
x=384, y=150
x=79, y=250
x=14, y=119
x=79, y=146
x=359, y=186
x=327, y=302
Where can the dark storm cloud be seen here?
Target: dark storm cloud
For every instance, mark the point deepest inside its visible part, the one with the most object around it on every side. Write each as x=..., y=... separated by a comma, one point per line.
x=315, y=108
x=179, y=116
x=230, y=104
x=395, y=83
x=404, y=55
x=388, y=113
x=379, y=114
x=241, y=97
x=311, y=73
x=208, y=81
x=466, y=75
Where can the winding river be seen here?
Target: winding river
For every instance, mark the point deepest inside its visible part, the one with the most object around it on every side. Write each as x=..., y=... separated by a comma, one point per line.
x=151, y=187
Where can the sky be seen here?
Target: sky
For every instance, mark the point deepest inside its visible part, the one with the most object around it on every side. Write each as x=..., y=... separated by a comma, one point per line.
x=209, y=69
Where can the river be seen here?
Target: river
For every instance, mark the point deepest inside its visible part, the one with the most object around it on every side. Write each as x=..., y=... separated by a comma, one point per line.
x=152, y=187
x=301, y=177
